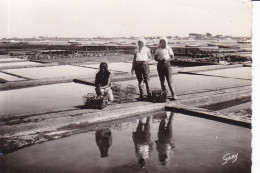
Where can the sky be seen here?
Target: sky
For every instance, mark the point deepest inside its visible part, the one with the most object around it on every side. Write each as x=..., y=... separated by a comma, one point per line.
x=113, y=18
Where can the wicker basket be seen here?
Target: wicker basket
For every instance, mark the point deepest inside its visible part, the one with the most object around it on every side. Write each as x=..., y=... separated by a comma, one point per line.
x=159, y=96
x=116, y=88
x=124, y=95
x=130, y=93
x=95, y=102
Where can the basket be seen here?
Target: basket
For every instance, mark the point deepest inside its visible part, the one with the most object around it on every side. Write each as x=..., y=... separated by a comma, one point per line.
x=95, y=102
x=116, y=88
x=124, y=95
x=130, y=93
x=159, y=96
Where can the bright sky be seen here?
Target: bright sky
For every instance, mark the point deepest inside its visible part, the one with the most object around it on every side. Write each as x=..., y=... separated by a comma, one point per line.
x=90, y=18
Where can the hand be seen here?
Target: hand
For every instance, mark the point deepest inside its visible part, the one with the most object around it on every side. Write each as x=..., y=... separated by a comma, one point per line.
x=132, y=72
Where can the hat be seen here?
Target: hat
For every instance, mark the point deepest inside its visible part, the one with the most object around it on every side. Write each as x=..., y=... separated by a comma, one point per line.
x=165, y=39
x=142, y=40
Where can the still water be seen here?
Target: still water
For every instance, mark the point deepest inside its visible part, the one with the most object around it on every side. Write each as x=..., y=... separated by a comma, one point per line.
x=164, y=142
x=242, y=72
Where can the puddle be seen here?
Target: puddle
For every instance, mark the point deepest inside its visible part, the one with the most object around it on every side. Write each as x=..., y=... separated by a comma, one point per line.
x=243, y=72
x=43, y=98
x=52, y=72
x=10, y=78
x=166, y=142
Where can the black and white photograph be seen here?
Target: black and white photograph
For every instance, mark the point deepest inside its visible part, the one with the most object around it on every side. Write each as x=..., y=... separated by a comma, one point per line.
x=125, y=86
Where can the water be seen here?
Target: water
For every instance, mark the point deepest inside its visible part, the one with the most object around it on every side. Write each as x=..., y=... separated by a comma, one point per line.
x=12, y=64
x=10, y=59
x=184, y=83
x=69, y=95
x=43, y=98
x=165, y=142
x=52, y=72
x=237, y=108
x=242, y=72
x=8, y=77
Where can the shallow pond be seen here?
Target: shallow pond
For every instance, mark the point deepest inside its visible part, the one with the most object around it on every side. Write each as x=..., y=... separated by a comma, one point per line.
x=165, y=142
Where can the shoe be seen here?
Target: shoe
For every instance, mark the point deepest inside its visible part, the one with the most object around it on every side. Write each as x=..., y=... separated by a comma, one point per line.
x=141, y=98
x=173, y=98
x=149, y=97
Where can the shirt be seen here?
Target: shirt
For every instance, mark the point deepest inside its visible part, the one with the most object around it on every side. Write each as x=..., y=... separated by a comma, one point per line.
x=143, y=54
x=102, y=80
x=164, y=53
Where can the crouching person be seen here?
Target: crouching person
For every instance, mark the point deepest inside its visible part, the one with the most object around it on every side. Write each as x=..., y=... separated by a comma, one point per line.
x=103, y=82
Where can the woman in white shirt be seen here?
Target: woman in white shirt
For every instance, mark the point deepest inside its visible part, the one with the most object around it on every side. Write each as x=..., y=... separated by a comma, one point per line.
x=141, y=67
x=164, y=55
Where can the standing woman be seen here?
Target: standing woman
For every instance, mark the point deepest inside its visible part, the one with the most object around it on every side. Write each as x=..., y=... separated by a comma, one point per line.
x=103, y=81
x=164, y=55
x=141, y=67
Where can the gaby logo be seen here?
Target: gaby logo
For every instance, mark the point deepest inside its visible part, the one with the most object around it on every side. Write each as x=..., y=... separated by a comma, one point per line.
x=230, y=157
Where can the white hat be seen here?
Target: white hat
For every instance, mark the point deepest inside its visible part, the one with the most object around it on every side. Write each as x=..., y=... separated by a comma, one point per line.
x=142, y=40
x=165, y=39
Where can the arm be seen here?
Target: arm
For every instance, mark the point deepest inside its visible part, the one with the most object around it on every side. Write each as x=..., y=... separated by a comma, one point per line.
x=108, y=83
x=149, y=55
x=171, y=54
x=133, y=65
x=171, y=58
x=96, y=81
x=156, y=57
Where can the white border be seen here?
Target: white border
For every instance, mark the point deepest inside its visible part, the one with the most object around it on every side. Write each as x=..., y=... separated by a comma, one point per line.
x=256, y=85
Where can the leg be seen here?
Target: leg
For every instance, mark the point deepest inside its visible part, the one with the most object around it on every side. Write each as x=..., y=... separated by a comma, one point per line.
x=146, y=75
x=110, y=94
x=161, y=75
x=102, y=91
x=98, y=91
x=168, y=74
x=140, y=85
x=139, y=77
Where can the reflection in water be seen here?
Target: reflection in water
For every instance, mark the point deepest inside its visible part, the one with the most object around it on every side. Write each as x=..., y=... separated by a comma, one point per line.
x=165, y=143
x=104, y=141
x=142, y=141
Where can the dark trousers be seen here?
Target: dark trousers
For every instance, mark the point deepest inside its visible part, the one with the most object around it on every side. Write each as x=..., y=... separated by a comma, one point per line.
x=142, y=72
x=164, y=71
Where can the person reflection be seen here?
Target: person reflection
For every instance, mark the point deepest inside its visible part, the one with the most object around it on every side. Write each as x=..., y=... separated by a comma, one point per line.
x=142, y=141
x=165, y=144
x=104, y=141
